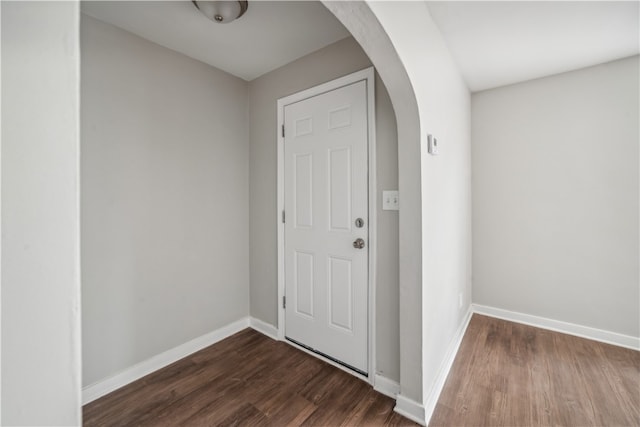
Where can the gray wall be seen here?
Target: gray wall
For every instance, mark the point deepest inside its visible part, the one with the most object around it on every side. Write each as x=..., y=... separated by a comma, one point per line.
x=40, y=233
x=555, y=209
x=165, y=200
x=334, y=61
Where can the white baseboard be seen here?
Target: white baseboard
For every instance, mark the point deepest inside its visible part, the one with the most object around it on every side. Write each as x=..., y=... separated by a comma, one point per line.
x=411, y=409
x=386, y=386
x=433, y=396
x=559, y=326
x=264, y=328
x=106, y=386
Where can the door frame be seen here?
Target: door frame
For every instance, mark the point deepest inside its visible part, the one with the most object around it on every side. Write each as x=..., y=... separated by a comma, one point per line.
x=367, y=75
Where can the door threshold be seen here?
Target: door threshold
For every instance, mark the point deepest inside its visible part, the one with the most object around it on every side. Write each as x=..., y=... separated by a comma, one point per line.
x=326, y=356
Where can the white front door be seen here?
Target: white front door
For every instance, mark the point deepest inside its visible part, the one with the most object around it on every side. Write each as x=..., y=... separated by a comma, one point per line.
x=326, y=208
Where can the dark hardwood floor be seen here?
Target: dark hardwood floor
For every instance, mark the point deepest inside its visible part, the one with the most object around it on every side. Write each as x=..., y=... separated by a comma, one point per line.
x=505, y=374
x=508, y=374
x=245, y=380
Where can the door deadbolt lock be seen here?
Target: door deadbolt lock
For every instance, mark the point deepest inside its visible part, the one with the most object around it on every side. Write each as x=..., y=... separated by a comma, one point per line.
x=358, y=243
x=359, y=222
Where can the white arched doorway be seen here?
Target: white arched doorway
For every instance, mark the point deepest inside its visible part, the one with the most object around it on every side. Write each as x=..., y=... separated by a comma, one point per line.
x=360, y=20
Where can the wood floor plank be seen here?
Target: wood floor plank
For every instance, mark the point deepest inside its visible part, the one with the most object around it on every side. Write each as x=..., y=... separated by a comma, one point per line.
x=396, y=420
x=357, y=416
x=508, y=374
x=504, y=374
x=286, y=408
x=249, y=380
x=335, y=407
x=247, y=415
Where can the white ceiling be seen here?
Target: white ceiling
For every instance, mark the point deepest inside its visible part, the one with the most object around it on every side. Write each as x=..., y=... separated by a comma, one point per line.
x=269, y=35
x=503, y=42
x=495, y=43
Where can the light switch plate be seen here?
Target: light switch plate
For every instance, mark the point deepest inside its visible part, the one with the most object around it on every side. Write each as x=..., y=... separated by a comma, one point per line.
x=390, y=201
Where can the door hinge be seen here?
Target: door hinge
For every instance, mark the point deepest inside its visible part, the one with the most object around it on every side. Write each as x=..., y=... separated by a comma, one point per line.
x=283, y=217
x=283, y=131
x=284, y=302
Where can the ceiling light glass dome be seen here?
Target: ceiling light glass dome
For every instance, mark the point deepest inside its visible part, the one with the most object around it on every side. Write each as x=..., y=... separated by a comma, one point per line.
x=222, y=11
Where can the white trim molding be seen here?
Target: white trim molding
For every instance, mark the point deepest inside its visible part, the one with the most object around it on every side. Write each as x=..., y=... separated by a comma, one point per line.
x=368, y=75
x=386, y=386
x=411, y=409
x=106, y=386
x=433, y=396
x=264, y=328
x=587, y=332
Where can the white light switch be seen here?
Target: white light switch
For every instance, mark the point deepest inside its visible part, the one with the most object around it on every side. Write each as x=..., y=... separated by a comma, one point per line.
x=390, y=201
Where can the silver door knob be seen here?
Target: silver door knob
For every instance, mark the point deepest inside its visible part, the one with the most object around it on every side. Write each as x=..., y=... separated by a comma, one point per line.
x=358, y=243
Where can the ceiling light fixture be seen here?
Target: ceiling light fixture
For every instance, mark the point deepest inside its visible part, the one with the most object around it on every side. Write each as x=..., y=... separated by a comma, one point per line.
x=222, y=11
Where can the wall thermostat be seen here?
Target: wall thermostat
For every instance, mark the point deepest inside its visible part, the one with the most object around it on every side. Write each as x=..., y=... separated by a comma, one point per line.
x=432, y=145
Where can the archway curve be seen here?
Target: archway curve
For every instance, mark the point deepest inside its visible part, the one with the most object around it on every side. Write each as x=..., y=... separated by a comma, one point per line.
x=364, y=26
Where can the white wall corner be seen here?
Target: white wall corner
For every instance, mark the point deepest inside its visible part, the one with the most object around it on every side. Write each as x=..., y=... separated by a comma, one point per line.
x=264, y=328
x=386, y=386
x=410, y=409
x=432, y=398
x=106, y=386
x=587, y=332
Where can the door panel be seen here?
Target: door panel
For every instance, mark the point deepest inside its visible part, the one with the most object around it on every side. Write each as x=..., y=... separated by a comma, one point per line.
x=340, y=189
x=304, y=283
x=326, y=190
x=303, y=184
x=340, y=293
